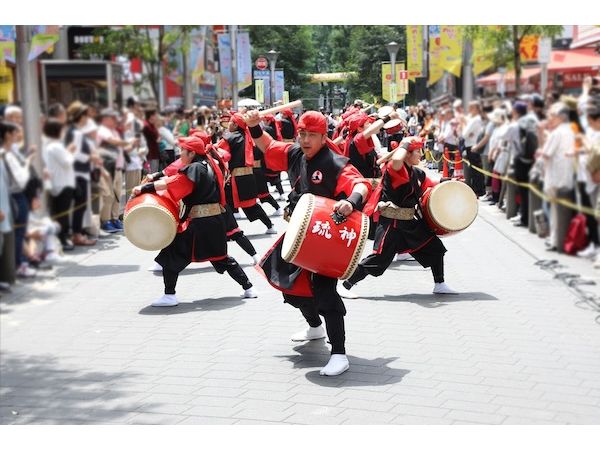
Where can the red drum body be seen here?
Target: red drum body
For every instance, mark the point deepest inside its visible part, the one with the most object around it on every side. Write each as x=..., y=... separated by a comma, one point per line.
x=150, y=221
x=316, y=243
x=449, y=207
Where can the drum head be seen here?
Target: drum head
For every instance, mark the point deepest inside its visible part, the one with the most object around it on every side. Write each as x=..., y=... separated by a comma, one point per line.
x=384, y=111
x=392, y=123
x=453, y=205
x=150, y=228
x=296, y=231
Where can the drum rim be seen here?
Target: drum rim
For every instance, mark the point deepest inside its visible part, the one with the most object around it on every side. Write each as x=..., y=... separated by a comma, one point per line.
x=146, y=205
x=362, y=242
x=450, y=229
x=302, y=230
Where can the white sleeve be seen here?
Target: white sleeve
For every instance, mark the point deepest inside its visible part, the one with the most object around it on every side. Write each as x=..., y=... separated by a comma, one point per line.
x=19, y=172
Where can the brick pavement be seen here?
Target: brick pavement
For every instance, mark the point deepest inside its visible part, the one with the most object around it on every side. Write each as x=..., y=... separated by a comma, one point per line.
x=82, y=345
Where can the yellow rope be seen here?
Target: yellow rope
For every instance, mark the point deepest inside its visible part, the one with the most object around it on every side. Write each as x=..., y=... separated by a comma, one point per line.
x=532, y=188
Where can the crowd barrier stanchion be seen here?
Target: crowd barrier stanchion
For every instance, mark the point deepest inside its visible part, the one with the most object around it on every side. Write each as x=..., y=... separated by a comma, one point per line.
x=535, y=203
x=511, y=198
x=458, y=165
x=445, y=157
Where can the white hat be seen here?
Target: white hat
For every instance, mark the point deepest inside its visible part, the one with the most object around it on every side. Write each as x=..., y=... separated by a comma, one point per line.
x=89, y=127
x=498, y=116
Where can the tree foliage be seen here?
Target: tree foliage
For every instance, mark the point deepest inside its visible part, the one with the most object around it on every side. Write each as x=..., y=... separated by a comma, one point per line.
x=506, y=39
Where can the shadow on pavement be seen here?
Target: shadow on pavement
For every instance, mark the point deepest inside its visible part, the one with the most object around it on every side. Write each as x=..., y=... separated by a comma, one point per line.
x=362, y=372
x=434, y=300
x=99, y=270
x=209, y=304
x=38, y=389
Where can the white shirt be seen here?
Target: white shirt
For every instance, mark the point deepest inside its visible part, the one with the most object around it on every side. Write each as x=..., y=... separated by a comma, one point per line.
x=105, y=133
x=59, y=162
x=450, y=133
x=558, y=168
x=472, y=131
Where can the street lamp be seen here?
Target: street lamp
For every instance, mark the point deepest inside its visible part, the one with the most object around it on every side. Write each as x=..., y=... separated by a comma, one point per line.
x=392, y=49
x=272, y=57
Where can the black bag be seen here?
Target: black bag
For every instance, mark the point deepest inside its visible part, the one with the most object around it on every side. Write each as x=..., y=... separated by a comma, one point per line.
x=529, y=145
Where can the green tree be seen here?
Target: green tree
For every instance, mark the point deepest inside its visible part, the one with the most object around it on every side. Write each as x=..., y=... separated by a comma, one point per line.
x=507, y=40
x=136, y=41
x=296, y=51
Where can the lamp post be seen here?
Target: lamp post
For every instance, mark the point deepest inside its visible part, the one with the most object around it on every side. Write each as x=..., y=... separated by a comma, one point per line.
x=392, y=49
x=272, y=57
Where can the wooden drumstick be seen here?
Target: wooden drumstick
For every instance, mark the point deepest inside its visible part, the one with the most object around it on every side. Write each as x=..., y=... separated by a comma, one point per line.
x=276, y=109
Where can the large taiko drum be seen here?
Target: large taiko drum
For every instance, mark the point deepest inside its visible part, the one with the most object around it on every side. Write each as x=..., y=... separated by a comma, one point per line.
x=150, y=220
x=315, y=242
x=449, y=207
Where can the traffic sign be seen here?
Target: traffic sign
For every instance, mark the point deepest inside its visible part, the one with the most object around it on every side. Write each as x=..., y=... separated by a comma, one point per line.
x=261, y=63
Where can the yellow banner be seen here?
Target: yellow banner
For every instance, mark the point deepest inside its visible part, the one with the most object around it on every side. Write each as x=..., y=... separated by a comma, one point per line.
x=6, y=84
x=414, y=51
x=528, y=50
x=386, y=78
x=259, y=90
x=286, y=97
x=483, y=57
x=435, y=63
x=326, y=77
x=451, y=42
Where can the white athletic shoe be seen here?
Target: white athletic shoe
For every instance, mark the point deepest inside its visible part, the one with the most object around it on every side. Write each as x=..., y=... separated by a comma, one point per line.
x=256, y=259
x=309, y=334
x=589, y=252
x=166, y=300
x=337, y=365
x=250, y=293
x=238, y=216
x=277, y=212
x=346, y=293
x=443, y=288
x=271, y=230
x=403, y=257
x=156, y=267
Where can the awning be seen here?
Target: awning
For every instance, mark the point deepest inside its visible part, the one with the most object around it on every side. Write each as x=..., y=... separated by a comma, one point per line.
x=581, y=58
x=585, y=35
x=526, y=74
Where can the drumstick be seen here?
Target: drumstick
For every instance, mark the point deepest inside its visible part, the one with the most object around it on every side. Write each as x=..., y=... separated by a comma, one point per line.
x=338, y=140
x=368, y=107
x=276, y=109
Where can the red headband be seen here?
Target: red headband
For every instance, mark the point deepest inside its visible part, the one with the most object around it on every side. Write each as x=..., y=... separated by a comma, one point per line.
x=238, y=119
x=313, y=122
x=193, y=144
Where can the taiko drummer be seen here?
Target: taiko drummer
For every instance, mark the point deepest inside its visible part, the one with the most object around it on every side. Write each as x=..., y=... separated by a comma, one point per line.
x=314, y=165
x=400, y=229
x=199, y=184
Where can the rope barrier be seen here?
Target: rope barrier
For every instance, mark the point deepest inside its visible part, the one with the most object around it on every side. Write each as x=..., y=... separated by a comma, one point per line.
x=562, y=201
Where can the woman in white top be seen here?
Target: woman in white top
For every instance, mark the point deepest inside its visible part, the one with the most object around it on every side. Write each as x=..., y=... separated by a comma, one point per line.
x=59, y=162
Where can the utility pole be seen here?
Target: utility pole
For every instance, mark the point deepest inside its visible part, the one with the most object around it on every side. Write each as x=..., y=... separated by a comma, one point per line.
x=29, y=94
x=467, y=73
x=234, y=71
x=187, y=79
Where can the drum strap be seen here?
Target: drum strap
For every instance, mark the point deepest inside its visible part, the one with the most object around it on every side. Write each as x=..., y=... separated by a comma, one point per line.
x=206, y=210
x=392, y=211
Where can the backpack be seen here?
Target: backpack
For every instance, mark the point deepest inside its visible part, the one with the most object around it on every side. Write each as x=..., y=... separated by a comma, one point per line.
x=529, y=145
x=576, y=238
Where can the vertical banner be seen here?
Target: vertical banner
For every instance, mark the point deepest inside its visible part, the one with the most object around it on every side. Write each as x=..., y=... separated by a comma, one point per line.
x=244, y=60
x=7, y=43
x=435, y=58
x=197, y=47
x=528, y=49
x=279, y=85
x=6, y=84
x=265, y=77
x=386, y=78
x=403, y=76
x=224, y=44
x=414, y=51
x=259, y=91
x=451, y=42
x=44, y=38
x=286, y=97
x=483, y=56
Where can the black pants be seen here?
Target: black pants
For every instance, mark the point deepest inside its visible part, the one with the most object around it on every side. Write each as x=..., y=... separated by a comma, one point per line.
x=60, y=205
x=522, y=176
x=242, y=240
x=227, y=264
x=271, y=201
x=80, y=199
x=475, y=178
x=377, y=263
x=591, y=222
x=327, y=303
x=257, y=212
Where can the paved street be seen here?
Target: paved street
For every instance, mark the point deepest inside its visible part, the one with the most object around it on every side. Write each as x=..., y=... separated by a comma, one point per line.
x=83, y=346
